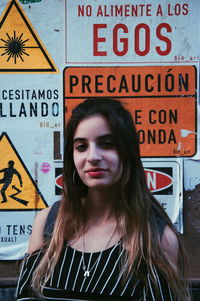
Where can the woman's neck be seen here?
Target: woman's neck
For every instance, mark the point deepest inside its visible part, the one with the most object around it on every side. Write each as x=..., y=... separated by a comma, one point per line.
x=99, y=205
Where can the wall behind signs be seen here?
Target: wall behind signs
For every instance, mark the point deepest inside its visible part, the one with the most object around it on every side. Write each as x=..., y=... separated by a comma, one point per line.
x=54, y=54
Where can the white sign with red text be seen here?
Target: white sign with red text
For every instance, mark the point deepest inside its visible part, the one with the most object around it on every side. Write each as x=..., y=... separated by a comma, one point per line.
x=128, y=32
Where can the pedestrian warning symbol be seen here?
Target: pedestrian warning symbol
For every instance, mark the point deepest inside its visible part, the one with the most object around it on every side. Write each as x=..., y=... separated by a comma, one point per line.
x=18, y=191
x=20, y=48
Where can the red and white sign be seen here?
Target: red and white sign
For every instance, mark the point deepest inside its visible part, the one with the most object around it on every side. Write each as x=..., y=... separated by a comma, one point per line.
x=164, y=179
x=59, y=181
x=157, y=180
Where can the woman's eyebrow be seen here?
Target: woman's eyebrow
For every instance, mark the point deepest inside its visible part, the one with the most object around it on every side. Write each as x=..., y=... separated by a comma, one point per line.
x=82, y=139
x=106, y=136
x=79, y=139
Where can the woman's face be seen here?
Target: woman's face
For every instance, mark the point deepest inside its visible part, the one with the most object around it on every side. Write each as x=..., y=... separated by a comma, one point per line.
x=95, y=154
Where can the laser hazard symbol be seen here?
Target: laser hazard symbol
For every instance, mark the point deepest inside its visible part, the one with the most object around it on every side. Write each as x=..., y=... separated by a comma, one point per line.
x=20, y=48
x=18, y=191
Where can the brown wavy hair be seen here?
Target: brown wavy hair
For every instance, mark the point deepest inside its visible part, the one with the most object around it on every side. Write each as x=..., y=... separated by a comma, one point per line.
x=136, y=212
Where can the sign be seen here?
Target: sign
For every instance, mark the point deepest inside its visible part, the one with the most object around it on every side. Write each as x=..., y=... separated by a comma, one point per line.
x=59, y=181
x=20, y=48
x=159, y=179
x=131, y=32
x=18, y=191
x=164, y=179
x=159, y=98
x=31, y=115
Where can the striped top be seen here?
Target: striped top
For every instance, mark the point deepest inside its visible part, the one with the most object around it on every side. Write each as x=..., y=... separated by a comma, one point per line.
x=104, y=282
x=67, y=282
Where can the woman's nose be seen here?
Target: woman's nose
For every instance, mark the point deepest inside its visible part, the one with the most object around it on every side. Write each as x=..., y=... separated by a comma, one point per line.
x=94, y=154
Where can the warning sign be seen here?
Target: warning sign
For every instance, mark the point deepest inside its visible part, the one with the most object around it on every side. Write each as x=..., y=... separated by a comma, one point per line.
x=18, y=191
x=20, y=48
x=159, y=98
x=164, y=179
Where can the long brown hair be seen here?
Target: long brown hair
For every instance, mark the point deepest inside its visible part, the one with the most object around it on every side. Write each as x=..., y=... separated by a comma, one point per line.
x=137, y=211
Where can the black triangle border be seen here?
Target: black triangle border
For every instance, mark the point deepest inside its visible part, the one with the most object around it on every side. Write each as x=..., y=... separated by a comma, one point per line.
x=52, y=69
x=4, y=134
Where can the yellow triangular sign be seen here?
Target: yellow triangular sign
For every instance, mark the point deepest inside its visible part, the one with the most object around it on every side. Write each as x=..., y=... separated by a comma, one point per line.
x=20, y=48
x=18, y=191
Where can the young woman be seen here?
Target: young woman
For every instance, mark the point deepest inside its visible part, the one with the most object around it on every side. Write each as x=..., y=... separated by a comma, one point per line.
x=108, y=238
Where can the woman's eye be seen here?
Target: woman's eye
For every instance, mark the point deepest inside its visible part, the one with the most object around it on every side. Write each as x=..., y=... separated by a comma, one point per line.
x=81, y=147
x=107, y=144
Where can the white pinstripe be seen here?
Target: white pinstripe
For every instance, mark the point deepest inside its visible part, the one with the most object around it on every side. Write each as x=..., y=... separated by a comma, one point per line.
x=61, y=269
x=74, y=251
x=152, y=294
x=29, y=274
x=133, y=291
x=80, y=263
x=170, y=292
x=94, y=272
x=112, y=272
x=20, y=275
x=127, y=283
x=104, y=267
x=157, y=277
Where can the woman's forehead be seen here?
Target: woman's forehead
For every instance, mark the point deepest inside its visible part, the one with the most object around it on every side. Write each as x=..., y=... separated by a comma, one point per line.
x=95, y=125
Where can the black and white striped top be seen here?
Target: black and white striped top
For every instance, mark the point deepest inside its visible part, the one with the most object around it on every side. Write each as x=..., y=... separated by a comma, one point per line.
x=104, y=282
x=67, y=281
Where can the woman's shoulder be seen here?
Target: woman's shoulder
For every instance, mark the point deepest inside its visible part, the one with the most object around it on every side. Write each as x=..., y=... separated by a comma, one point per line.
x=36, y=239
x=50, y=220
x=170, y=244
x=37, y=236
x=168, y=234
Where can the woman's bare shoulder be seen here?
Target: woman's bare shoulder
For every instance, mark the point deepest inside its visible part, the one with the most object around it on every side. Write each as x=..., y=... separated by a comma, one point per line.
x=37, y=236
x=170, y=244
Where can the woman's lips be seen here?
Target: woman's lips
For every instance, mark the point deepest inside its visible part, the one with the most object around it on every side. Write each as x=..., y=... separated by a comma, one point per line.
x=96, y=172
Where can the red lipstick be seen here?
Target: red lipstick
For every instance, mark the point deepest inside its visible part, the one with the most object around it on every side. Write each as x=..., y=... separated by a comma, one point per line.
x=96, y=172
